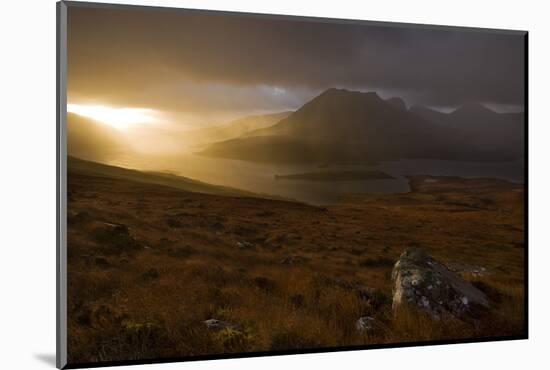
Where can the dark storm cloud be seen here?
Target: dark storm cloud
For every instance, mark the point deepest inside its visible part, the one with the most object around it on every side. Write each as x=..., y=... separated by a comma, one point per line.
x=164, y=58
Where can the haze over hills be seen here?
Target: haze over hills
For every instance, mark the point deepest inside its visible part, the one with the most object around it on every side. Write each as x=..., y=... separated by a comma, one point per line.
x=337, y=126
x=501, y=132
x=355, y=127
x=97, y=141
x=92, y=140
x=239, y=127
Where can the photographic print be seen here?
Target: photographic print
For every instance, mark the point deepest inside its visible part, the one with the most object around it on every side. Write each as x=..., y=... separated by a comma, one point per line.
x=240, y=184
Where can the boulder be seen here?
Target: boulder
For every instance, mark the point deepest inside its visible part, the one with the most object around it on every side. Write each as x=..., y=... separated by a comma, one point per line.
x=422, y=282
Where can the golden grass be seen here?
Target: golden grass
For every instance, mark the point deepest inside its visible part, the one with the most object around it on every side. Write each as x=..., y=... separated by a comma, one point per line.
x=299, y=286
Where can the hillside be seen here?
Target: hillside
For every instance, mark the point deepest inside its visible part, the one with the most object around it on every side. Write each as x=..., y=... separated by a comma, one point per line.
x=346, y=126
x=77, y=166
x=149, y=265
x=92, y=140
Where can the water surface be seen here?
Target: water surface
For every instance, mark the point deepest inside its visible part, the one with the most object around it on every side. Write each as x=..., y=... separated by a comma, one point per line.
x=260, y=178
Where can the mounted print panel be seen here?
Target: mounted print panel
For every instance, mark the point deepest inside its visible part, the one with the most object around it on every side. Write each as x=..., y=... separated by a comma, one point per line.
x=237, y=185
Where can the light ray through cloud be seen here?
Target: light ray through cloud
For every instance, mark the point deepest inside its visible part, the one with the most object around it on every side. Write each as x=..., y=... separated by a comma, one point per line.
x=119, y=118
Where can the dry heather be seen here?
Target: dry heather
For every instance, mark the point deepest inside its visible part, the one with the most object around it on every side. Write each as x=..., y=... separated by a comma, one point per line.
x=148, y=264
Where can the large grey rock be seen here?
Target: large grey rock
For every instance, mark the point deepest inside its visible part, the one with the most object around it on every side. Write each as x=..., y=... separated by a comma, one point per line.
x=422, y=282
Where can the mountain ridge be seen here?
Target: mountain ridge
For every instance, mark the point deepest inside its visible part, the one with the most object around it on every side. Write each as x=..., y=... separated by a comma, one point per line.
x=349, y=126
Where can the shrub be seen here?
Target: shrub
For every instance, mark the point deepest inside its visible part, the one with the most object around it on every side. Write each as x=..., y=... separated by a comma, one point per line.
x=173, y=223
x=377, y=262
x=297, y=300
x=289, y=338
x=115, y=238
x=151, y=274
x=233, y=340
x=264, y=284
x=180, y=251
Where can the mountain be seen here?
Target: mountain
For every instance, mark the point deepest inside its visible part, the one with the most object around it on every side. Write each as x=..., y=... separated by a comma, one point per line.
x=428, y=114
x=397, y=102
x=352, y=127
x=92, y=140
x=234, y=129
x=498, y=132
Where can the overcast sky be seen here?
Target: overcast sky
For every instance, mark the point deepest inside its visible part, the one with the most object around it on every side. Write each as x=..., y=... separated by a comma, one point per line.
x=200, y=68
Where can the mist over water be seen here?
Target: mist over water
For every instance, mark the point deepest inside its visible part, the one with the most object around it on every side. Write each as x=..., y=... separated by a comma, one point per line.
x=338, y=126
x=260, y=178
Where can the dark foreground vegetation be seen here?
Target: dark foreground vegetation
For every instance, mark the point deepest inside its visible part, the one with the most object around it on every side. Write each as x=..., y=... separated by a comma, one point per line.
x=155, y=271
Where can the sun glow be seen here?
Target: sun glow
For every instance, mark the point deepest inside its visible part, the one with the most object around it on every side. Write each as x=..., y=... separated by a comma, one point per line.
x=119, y=118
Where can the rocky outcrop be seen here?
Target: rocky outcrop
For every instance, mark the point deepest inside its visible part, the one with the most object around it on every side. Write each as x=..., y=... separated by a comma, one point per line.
x=422, y=282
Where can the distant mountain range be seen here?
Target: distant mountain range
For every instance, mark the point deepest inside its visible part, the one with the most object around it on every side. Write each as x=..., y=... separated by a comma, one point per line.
x=234, y=129
x=355, y=127
x=498, y=132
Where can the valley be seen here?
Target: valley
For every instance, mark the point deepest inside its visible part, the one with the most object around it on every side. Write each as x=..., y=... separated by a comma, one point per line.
x=149, y=264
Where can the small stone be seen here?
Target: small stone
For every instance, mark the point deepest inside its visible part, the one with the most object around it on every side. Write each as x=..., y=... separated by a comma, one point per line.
x=245, y=245
x=424, y=301
x=365, y=323
x=215, y=324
